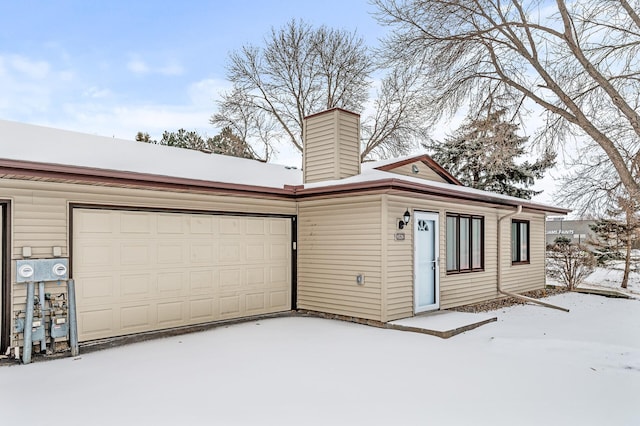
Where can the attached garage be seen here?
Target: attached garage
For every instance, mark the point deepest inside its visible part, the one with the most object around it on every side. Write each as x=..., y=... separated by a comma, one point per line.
x=139, y=271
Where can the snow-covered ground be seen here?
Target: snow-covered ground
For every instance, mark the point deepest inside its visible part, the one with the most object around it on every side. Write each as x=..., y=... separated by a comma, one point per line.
x=533, y=366
x=611, y=277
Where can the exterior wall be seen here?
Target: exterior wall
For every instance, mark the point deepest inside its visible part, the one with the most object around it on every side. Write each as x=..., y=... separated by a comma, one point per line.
x=460, y=288
x=520, y=278
x=338, y=239
x=424, y=171
x=331, y=146
x=40, y=214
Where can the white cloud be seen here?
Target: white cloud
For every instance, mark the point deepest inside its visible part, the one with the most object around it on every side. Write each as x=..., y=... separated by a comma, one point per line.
x=171, y=69
x=36, y=70
x=96, y=92
x=205, y=92
x=139, y=66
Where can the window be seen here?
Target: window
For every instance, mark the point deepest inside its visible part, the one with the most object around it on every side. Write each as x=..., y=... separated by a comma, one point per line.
x=520, y=241
x=465, y=243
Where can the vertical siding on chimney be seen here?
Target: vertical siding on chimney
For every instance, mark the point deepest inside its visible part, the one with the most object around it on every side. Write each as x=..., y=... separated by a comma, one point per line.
x=331, y=146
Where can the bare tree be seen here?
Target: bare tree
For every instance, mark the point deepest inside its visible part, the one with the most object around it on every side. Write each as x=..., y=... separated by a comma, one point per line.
x=301, y=70
x=595, y=189
x=579, y=61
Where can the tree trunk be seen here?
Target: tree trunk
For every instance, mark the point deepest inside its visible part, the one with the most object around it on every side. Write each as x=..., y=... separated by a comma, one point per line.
x=627, y=264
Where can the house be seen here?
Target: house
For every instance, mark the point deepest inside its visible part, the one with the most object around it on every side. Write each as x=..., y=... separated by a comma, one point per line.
x=159, y=237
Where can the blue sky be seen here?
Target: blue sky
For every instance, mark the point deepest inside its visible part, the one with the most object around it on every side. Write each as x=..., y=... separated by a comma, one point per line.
x=113, y=68
x=116, y=67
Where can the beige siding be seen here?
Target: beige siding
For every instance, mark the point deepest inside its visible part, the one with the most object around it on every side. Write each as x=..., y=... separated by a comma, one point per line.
x=424, y=171
x=463, y=288
x=40, y=213
x=337, y=240
x=524, y=277
x=331, y=146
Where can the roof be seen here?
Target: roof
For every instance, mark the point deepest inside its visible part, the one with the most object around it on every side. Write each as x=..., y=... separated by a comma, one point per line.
x=36, y=144
x=42, y=152
x=394, y=163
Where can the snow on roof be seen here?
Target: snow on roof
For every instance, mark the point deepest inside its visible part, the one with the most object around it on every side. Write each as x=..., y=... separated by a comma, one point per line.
x=27, y=142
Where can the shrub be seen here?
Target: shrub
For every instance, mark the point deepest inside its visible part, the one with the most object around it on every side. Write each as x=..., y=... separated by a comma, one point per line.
x=569, y=263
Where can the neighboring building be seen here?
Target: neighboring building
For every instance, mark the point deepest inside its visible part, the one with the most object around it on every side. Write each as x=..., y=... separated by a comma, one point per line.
x=577, y=231
x=160, y=237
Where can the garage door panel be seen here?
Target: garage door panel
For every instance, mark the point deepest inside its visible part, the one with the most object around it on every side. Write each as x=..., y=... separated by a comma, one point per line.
x=203, y=252
x=96, y=323
x=229, y=251
x=230, y=278
x=255, y=226
x=255, y=251
x=135, y=318
x=277, y=227
x=143, y=271
x=229, y=226
x=255, y=302
x=94, y=255
x=202, y=225
x=135, y=286
x=171, y=284
x=136, y=222
x=202, y=310
x=170, y=224
x=278, y=251
x=170, y=253
x=95, y=289
x=201, y=281
x=171, y=314
x=279, y=299
x=229, y=306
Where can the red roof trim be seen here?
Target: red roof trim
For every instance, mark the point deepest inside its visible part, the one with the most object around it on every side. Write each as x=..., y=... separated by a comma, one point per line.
x=393, y=183
x=115, y=177
x=89, y=175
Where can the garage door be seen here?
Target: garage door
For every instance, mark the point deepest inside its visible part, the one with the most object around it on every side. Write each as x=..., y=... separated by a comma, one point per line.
x=144, y=271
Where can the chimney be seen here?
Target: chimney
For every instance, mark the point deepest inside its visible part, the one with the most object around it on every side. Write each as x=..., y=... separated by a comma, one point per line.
x=331, y=145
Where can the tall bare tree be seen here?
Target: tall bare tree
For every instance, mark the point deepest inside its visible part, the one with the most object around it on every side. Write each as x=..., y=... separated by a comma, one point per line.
x=595, y=189
x=301, y=70
x=579, y=61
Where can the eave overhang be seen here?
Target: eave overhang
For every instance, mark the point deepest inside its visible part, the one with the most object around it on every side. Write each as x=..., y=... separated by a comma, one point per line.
x=15, y=169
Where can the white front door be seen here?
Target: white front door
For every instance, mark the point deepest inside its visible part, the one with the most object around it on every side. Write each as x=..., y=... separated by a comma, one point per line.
x=426, y=292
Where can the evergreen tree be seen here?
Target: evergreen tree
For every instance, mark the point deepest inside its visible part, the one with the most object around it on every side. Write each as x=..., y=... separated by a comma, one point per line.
x=482, y=154
x=225, y=143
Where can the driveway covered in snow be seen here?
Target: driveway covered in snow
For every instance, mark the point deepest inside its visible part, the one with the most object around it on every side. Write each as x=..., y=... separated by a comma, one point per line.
x=534, y=366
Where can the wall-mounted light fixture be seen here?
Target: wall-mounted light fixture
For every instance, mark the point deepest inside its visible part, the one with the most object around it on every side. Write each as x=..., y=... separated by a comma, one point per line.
x=414, y=169
x=406, y=217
